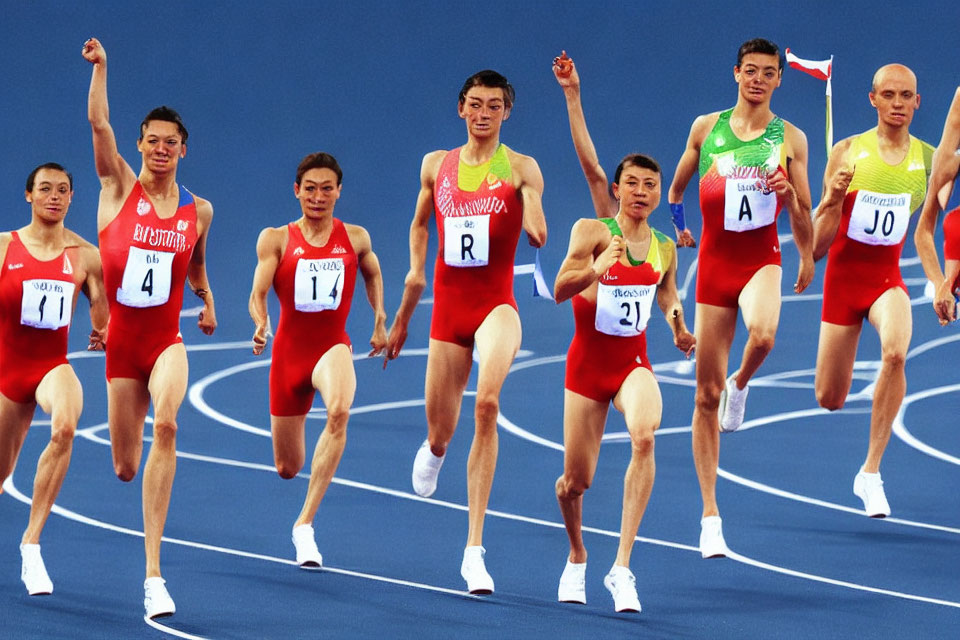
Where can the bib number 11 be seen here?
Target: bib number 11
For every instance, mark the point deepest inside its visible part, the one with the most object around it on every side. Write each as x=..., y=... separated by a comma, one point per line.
x=46, y=304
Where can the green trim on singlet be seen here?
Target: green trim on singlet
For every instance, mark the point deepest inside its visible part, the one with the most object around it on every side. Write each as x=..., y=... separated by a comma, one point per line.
x=723, y=147
x=470, y=177
x=657, y=254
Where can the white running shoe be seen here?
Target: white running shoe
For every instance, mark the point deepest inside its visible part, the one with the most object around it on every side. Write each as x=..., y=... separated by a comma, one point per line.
x=308, y=556
x=623, y=587
x=573, y=583
x=156, y=599
x=33, y=572
x=426, y=468
x=869, y=488
x=712, y=544
x=474, y=571
x=733, y=404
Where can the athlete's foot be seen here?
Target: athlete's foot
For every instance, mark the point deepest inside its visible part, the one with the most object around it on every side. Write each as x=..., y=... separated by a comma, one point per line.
x=308, y=556
x=572, y=586
x=474, y=571
x=733, y=404
x=712, y=544
x=426, y=468
x=869, y=488
x=156, y=599
x=623, y=587
x=33, y=572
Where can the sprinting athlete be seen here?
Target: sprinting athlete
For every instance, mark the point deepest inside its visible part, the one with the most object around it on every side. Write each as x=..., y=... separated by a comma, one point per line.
x=312, y=265
x=153, y=236
x=43, y=268
x=484, y=194
x=752, y=164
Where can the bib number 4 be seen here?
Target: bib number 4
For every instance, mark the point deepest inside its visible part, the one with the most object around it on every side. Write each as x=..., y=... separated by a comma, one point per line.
x=146, y=278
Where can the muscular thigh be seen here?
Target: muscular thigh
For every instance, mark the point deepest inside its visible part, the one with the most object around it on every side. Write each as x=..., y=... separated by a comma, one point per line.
x=334, y=376
x=714, y=328
x=760, y=300
x=168, y=382
x=497, y=340
x=892, y=318
x=836, y=355
x=448, y=369
x=583, y=423
x=60, y=389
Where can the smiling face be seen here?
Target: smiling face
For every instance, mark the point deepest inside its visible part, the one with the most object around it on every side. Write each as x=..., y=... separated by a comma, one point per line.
x=895, y=95
x=50, y=196
x=317, y=192
x=161, y=146
x=638, y=191
x=484, y=109
x=758, y=75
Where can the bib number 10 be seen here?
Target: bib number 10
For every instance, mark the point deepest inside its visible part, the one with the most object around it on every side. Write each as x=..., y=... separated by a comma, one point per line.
x=46, y=304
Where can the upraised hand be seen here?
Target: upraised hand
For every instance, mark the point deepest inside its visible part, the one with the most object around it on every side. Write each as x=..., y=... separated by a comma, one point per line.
x=93, y=52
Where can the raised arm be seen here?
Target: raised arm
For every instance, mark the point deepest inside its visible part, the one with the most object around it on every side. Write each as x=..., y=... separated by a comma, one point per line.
x=794, y=191
x=836, y=181
x=416, y=280
x=686, y=167
x=668, y=298
x=373, y=282
x=197, y=269
x=269, y=251
x=531, y=192
x=96, y=293
x=115, y=174
x=567, y=77
x=592, y=250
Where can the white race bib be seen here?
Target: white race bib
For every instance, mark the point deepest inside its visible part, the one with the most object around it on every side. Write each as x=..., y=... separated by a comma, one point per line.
x=879, y=218
x=746, y=206
x=318, y=285
x=46, y=304
x=624, y=310
x=466, y=241
x=146, y=278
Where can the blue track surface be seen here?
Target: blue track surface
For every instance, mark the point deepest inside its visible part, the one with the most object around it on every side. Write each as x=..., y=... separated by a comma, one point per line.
x=375, y=84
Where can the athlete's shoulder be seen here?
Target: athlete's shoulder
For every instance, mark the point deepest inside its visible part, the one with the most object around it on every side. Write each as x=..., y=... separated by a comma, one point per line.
x=74, y=239
x=430, y=166
x=204, y=207
x=359, y=237
x=271, y=239
x=703, y=125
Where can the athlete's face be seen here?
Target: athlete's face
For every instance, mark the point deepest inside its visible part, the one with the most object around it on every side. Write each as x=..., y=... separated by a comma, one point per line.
x=51, y=195
x=484, y=110
x=638, y=191
x=758, y=75
x=161, y=146
x=317, y=192
x=895, y=95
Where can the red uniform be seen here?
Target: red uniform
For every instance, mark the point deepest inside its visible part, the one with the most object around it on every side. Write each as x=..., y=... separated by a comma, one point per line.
x=739, y=234
x=315, y=288
x=864, y=258
x=951, y=240
x=36, y=305
x=478, y=232
x=145, y=260
x=610, y=339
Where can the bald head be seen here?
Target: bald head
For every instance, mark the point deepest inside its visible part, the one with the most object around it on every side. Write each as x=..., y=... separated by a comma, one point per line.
x=896, y=72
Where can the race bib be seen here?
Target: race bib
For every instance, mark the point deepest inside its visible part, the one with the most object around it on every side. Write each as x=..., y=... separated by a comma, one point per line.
x=46, y=304
x=623, y=310
x=466, y=241
x=748, y=206
x=146, y=278
x=879, y=218
x=318, y=285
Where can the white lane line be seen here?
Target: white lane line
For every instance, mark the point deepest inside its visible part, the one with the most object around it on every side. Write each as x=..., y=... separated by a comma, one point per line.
x=170, y=630
x=901, y=431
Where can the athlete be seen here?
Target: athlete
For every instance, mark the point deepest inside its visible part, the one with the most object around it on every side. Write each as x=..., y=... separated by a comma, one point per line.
x=312, y=264
x=484, y=194
x=153, y=235
x=873, y=183
x=945, y=166
x=607, y=360
x=752, y=164
x=44, y=268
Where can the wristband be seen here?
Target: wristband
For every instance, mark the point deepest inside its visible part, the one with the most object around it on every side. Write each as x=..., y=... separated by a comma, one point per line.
x=676, y=212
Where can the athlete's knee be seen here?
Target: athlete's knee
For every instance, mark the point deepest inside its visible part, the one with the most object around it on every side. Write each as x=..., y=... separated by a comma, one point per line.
x=125, y=470
x=164, y=431
x=288, y=469
x=707, y=397
x=62, y=432
x=893, y=358
x=642, y=442
x=337, y=416
x=487, y=410
x=570, y=487
x=762, y=339
x=828, y=397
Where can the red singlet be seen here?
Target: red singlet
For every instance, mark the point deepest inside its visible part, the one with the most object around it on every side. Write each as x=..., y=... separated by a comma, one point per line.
x=36, y=305
x=315, y=288
x=145, y=262
x=951, y=241
x=478, y=241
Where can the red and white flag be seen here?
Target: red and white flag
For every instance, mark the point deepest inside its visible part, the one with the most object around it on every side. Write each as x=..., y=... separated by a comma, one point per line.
x=822, y=69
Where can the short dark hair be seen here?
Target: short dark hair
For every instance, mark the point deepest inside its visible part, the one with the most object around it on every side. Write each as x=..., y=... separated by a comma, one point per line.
x=165, y=114
x=759, y=45
x=47, y=165
x=492, y=79
x=636, y=160
x=319, y=160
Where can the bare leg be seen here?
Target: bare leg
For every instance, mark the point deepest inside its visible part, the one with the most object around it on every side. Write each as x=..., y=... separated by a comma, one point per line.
x=15, y=418
x=639, y=400
x=448, y=369
x=836, y=355
x=760, y=303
